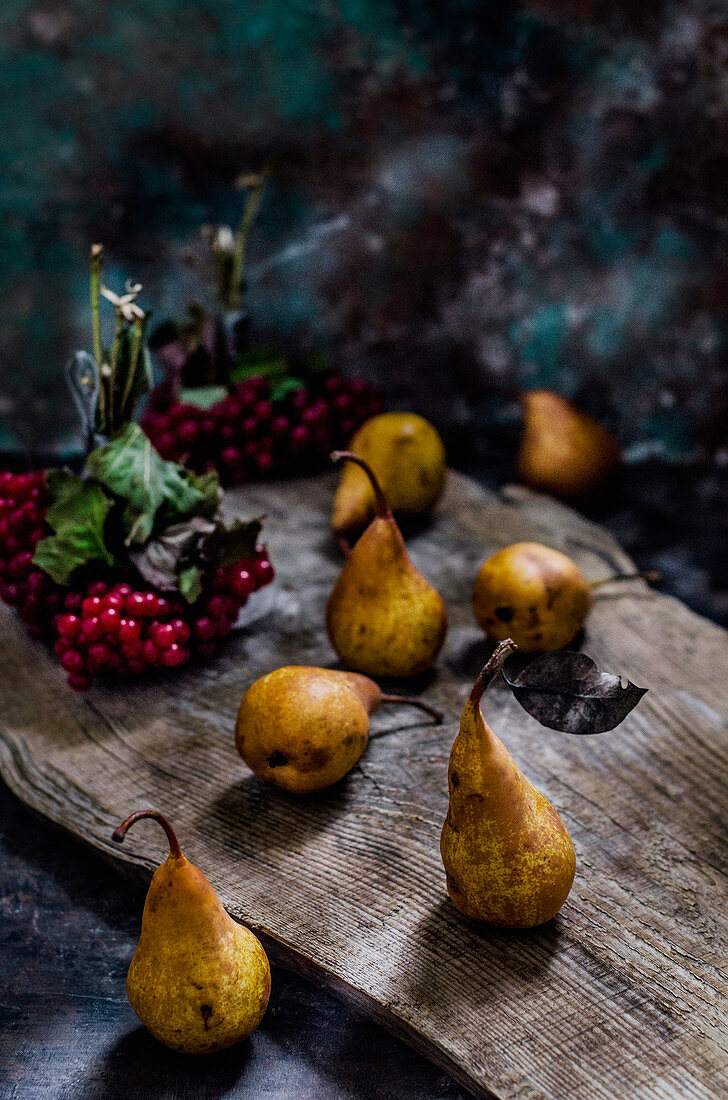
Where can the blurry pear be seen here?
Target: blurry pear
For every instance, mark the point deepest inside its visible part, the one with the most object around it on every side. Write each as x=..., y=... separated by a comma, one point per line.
x=198, y=981
x=563, y=451
x=408, y=459
x=383, y=617
x=304, y=728
x=533, y=594
x=508, y=857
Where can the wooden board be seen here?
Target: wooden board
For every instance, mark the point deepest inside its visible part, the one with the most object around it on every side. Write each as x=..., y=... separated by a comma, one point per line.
x=623, y=994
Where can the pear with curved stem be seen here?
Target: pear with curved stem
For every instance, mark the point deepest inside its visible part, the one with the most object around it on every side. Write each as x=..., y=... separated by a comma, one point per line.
x=408, y=457
x=508, y=857
x=383, y=617
x=198, y=981
x=304, y=728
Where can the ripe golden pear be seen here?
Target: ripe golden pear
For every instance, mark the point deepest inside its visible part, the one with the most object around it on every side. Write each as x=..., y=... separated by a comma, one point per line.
x=507, y=854
x=304, y=728
x=563, y=451
x=383, y=617
x=533, y=594
x=198, y=981
x=408, y=458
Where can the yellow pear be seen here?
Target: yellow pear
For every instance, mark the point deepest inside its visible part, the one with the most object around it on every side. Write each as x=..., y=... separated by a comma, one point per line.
x=508, y=857
x=533, y=594
x=408, y=458
x=383, y=617
x=304, y=728
x=198, y=981
x=563, y=451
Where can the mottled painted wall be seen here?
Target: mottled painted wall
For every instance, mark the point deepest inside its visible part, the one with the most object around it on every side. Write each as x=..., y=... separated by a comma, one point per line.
x=468, y=195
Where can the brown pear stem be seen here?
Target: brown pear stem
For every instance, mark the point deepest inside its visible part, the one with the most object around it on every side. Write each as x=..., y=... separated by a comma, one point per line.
x=652, y=576
x=121, y=830
x=489, y=672
x=411, y=701
x=383, y=508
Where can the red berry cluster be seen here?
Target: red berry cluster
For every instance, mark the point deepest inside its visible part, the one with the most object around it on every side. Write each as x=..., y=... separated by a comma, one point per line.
x=107, y=626
x=246, y=436
x=124, y=630
x=22, y=525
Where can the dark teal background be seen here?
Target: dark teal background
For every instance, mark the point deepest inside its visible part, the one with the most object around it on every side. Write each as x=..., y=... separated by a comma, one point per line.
x=467, y=195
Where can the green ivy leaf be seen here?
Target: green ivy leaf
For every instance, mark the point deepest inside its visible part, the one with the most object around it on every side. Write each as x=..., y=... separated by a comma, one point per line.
x=202, y=397
x=284, y=387
x=77, y=514
x=264, y=362
x=208, y=486
x=190, y=583
x=130, y=467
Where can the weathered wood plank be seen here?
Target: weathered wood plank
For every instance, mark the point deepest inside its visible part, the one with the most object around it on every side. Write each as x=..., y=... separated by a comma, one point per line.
x=624, y=993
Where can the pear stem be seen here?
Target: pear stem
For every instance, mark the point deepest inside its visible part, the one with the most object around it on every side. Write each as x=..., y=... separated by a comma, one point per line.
x=121, y=830
x=652, y=576
x=411, y=701
x=383, y=508
x=489, y=672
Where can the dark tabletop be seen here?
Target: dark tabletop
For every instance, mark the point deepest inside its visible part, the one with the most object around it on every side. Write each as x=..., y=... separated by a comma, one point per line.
x=68, y=927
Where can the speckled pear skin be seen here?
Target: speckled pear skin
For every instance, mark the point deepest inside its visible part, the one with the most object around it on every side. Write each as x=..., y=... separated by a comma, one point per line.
x=408, y=457
x=563, y=451
x=198, y=981
x=304, y=728
x=383, y=617
x=533, y=594
x=508, y=858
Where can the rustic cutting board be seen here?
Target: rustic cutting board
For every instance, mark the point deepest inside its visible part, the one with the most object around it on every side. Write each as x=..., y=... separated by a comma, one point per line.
x=623, y=994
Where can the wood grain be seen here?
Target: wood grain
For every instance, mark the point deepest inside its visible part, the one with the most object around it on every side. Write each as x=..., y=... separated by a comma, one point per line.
x=623, y=994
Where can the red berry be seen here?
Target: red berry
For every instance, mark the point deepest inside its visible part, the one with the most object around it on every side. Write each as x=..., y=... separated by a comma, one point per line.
x=69, y=626
x=231, y=456
x=187, y=432
x=122, y=590
x=73, y=602
x=91, y=630
x=110, y=620
x=164, y=635
x=92, y=607
x=204, y=628
x=80, y=682
x=174, y=655
x=241, y=582
x=129, y=630
x=181, y=629
x=264, y=571
x=114, y=599
x=133, y=649
x=135, y=602
x=36, y=582
x=151, y=653
x=99, y=656
x=219, y=606
x=72, y=661
x=98, y=588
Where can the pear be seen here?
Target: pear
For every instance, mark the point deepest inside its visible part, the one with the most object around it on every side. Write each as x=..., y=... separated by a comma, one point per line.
x=563, y=451
x=198, y=981
x=383, y=617
x=508, y=858
x=304, y=728
x=533, y=594
x=408, y=459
